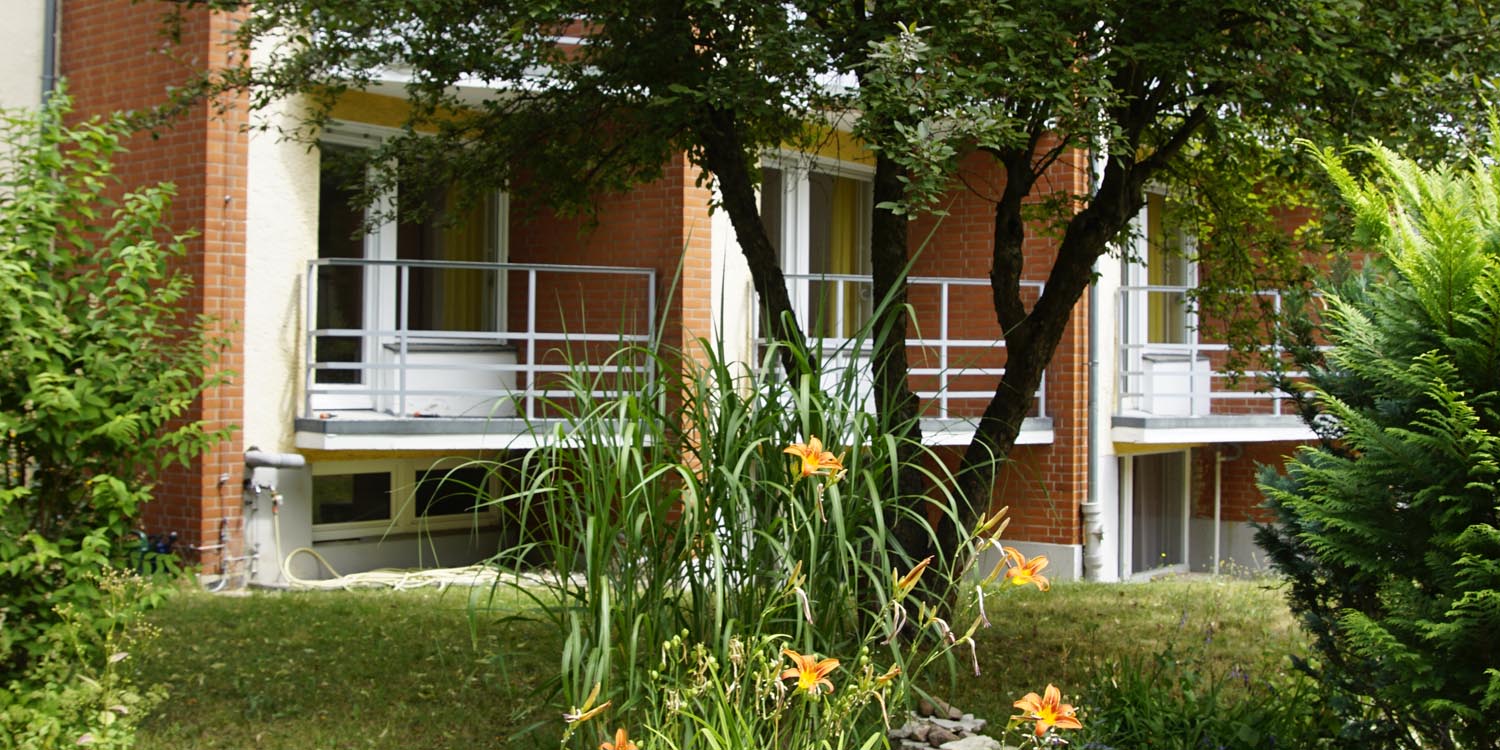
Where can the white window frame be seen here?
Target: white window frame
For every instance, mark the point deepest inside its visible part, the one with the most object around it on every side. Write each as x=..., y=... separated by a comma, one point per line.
x=403, y=515
x=796, y=211
x=1138, y=270
x=380, y=282
x=1127, y=469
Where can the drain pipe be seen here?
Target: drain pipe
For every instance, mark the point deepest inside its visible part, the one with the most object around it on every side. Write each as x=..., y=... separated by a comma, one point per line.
x=1093, y=509
x=49, y=50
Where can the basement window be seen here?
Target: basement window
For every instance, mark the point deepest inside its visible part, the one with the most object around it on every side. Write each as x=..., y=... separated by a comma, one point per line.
x=354, y=499
x=351, y=498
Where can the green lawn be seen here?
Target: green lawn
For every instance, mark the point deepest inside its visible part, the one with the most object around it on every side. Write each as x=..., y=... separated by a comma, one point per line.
x=299, y=671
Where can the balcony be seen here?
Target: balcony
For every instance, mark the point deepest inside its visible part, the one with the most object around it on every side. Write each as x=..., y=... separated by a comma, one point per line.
x=1174, y=384
x=954, y=348
x=408, y=354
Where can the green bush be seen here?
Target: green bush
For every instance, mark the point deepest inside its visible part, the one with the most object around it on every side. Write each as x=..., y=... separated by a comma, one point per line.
x=1389, y=530
x=98, y=369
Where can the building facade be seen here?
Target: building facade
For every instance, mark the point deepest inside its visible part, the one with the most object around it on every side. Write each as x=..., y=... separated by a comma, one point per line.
x=371, y=363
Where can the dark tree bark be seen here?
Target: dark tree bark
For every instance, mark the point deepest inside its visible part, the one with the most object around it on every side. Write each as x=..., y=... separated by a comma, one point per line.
x=1031, y=337
x=896, y=406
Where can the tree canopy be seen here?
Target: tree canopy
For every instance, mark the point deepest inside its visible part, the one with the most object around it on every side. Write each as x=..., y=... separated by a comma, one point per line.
x=564, y=100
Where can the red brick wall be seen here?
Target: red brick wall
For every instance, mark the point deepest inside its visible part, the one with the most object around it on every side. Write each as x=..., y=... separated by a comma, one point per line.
x=1240, y=499
x=112, y=54
x=661, y=226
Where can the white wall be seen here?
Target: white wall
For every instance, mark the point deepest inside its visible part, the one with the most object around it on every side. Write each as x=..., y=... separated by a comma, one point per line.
x=1238, y=552
x=280, y=238
x=1064, y=561
x=734, y=305
x=21, y=36
x=1106, y=462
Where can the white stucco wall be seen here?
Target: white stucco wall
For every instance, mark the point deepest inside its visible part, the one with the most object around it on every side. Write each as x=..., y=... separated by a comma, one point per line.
x=280, y=238
x=734, y=307
x=1106, y=461
x=1238, y=552
x=21, y=36
x=1064, y=561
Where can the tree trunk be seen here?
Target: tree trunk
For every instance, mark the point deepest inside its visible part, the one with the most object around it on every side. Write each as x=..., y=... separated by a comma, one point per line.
x=1031, y=338
x=896, y=406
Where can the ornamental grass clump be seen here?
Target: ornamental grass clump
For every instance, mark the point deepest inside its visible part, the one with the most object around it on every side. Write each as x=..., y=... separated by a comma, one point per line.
x=726, y=571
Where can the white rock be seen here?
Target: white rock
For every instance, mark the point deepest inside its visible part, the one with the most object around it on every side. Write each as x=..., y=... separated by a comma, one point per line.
x=973, y=742
x=967, y=725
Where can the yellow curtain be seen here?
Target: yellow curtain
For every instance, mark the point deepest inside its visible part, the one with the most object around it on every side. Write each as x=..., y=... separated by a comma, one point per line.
x=462, y=290
x=1165, y=311
x=843, y=240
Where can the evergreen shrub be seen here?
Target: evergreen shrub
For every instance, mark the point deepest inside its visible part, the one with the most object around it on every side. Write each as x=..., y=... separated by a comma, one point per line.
x=1387, y=529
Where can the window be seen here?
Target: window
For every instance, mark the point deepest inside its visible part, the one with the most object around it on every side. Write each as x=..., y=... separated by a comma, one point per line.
x=422, y=301
x=447, y=492
x=1168, y=270
x=351, y=498
x=1167, y=265
x=364, y=498
x=451, y=299
x=341, y=289
x=819, y=222
x=1156, y=511
x=1164, y=372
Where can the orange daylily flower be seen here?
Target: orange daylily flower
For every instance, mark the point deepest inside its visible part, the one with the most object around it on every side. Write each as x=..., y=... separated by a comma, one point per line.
x=1048, y=711
x=811, y=674
x=906, y=582
x=1023, y=571
x=890, y=674
x=815, y=460
x=622, y=742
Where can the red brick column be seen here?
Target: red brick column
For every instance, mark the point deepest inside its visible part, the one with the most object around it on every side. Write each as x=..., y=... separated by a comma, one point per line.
x=114, y=57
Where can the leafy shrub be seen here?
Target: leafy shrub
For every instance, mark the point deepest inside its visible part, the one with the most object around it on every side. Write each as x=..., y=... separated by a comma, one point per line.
x=1389, y=530
x=97, y=371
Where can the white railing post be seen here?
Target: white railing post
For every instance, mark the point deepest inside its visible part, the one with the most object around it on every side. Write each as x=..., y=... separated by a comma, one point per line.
x=1276, y=348
x=651, y=335
x=531, y=366
x=309, y=372
x=944, y=381
x=403, y=319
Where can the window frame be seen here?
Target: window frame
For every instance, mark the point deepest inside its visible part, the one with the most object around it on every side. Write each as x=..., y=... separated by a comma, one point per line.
x=381, y=243
x=795, y=235
x=403, y=516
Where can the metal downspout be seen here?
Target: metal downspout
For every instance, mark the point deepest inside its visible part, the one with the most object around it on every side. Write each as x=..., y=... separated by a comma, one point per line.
x=1092, y=510
x=49, y=49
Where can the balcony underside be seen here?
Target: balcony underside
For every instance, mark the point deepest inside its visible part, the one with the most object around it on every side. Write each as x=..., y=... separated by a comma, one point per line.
x=1034, y=431
x=367, y=430
x=1257, y=428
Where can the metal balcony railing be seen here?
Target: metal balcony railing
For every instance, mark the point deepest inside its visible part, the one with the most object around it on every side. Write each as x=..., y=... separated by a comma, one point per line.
x=412, y=338
x=954, y=345
x=1167, y=368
